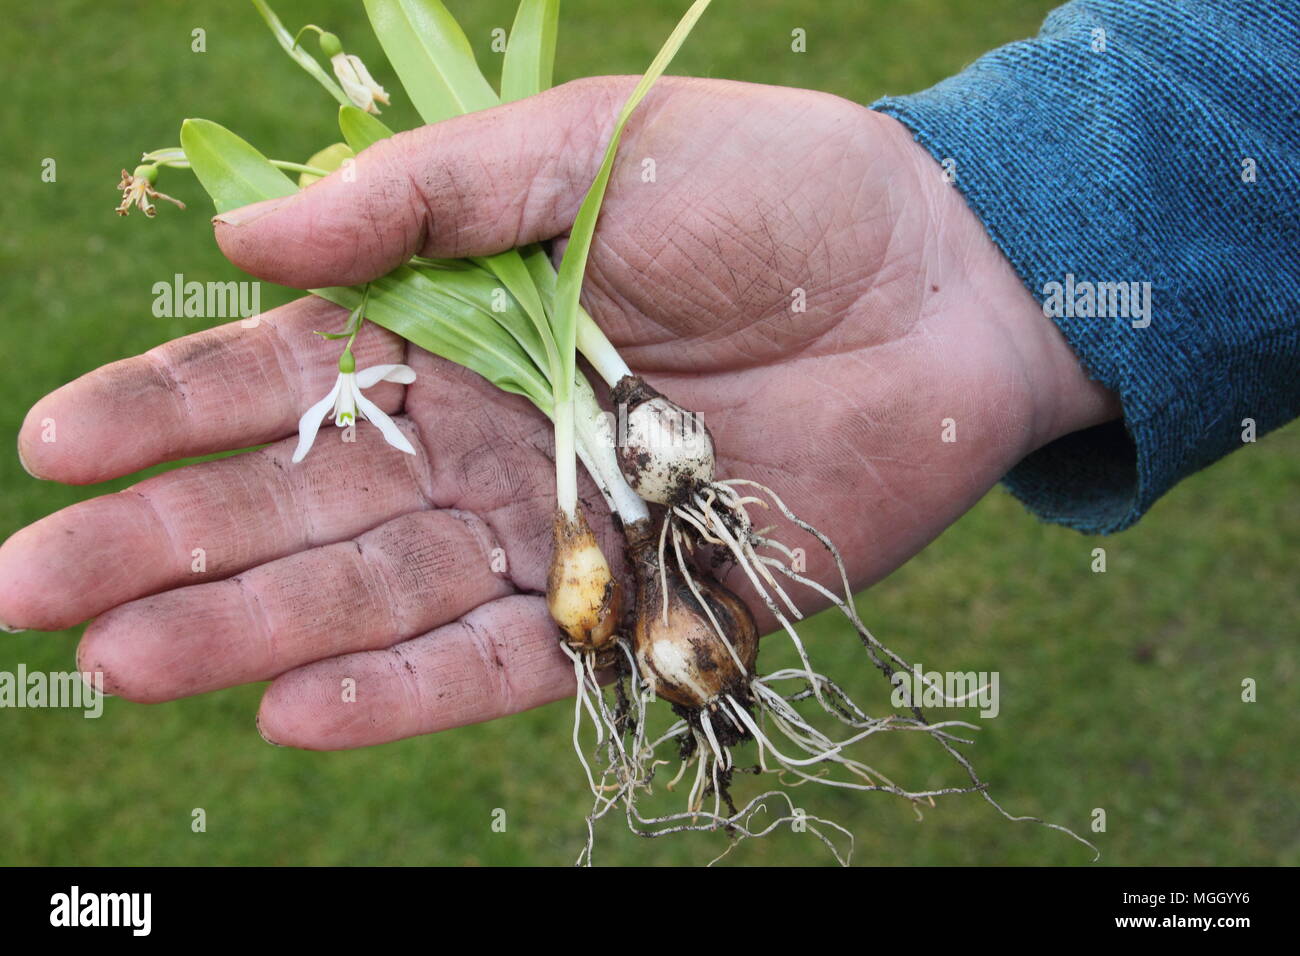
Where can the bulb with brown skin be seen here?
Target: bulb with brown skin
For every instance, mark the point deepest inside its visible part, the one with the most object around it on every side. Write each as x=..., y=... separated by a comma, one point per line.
x=583, y=596
x=685, y=660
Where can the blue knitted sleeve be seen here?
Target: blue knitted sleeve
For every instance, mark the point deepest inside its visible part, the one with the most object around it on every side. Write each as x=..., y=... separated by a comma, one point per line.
x=1139, y=164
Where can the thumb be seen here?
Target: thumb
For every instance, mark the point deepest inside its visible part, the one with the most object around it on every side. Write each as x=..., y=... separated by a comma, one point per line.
x=471, y=185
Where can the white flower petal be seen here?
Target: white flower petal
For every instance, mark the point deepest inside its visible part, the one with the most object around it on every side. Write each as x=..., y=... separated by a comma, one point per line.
x=357, y=92
x=343, y=68
x=368, y=377
x=362, y=74
x=368, y=81
x=359, y=96
x=392, y=434
x=345, y=406
x=311, y=420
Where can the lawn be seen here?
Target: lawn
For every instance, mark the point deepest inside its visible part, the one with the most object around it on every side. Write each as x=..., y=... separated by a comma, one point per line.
x=1121, y=690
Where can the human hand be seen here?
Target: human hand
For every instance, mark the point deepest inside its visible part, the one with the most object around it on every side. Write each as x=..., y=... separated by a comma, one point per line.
x=365, y=563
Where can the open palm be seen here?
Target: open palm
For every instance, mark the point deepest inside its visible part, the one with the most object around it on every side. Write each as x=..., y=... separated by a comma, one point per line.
x=787, y=263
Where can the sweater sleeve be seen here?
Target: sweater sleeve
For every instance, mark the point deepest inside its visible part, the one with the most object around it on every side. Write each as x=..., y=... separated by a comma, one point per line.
x=1138, y=162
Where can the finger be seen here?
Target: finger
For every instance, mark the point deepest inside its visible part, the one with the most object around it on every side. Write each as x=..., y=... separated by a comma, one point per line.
x=217, y=390
x=499, y=659
x=472, y=185
x=401, y=579
x=204, y=522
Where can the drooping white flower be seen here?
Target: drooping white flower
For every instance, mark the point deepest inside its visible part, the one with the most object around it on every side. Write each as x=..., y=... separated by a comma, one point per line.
x=345, y=402
x=357, y=82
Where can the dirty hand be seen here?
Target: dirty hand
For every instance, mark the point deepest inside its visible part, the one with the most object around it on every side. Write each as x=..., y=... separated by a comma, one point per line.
x=787, y=263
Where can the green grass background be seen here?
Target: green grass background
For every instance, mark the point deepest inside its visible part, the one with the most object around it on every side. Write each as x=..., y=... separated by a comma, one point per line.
x=1120, y=690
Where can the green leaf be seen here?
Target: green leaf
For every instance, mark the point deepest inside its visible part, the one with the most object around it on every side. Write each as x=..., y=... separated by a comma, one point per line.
x=515, y=321
x=572, y=268
x=454, y=265
x=432, y=57
x=447, y=319
x=232, y=171
x=361, y=129
x=509, y=267
x=530, y=54
x=434, y=61
x=542, y=270
x=172, y=156
x=449, y=312
x=303, y=58
x=328, y=159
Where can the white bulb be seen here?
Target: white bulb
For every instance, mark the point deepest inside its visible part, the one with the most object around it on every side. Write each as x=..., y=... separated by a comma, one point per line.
x=667, y=452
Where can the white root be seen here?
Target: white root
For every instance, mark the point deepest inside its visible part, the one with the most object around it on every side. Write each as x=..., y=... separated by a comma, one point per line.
x=714, y=531
x=580, y=700
x=625, y=763
x=740, y=825
x=718, y=516
x=710, y=758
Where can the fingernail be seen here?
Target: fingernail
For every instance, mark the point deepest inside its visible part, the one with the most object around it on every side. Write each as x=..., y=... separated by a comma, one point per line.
x=94, y=680
x=22, y=460
x=11, y=630
x=262, y=733
x=246, y=214
x=92, y=676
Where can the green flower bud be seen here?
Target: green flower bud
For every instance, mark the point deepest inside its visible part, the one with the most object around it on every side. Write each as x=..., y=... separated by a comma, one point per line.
x=330, y=45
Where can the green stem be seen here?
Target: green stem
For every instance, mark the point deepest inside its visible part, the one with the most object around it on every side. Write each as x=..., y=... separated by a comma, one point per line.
x=173, y=157
x=299, y=168
x=566, y=468
x=360, y=316
x=299, y=55
x=310, y=26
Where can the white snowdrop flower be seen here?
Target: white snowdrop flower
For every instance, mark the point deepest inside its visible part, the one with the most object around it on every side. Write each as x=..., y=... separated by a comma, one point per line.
x=357, y=82
x=345, y=402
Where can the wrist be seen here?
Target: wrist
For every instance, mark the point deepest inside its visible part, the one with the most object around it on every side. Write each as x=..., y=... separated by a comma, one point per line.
x=974, y=284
